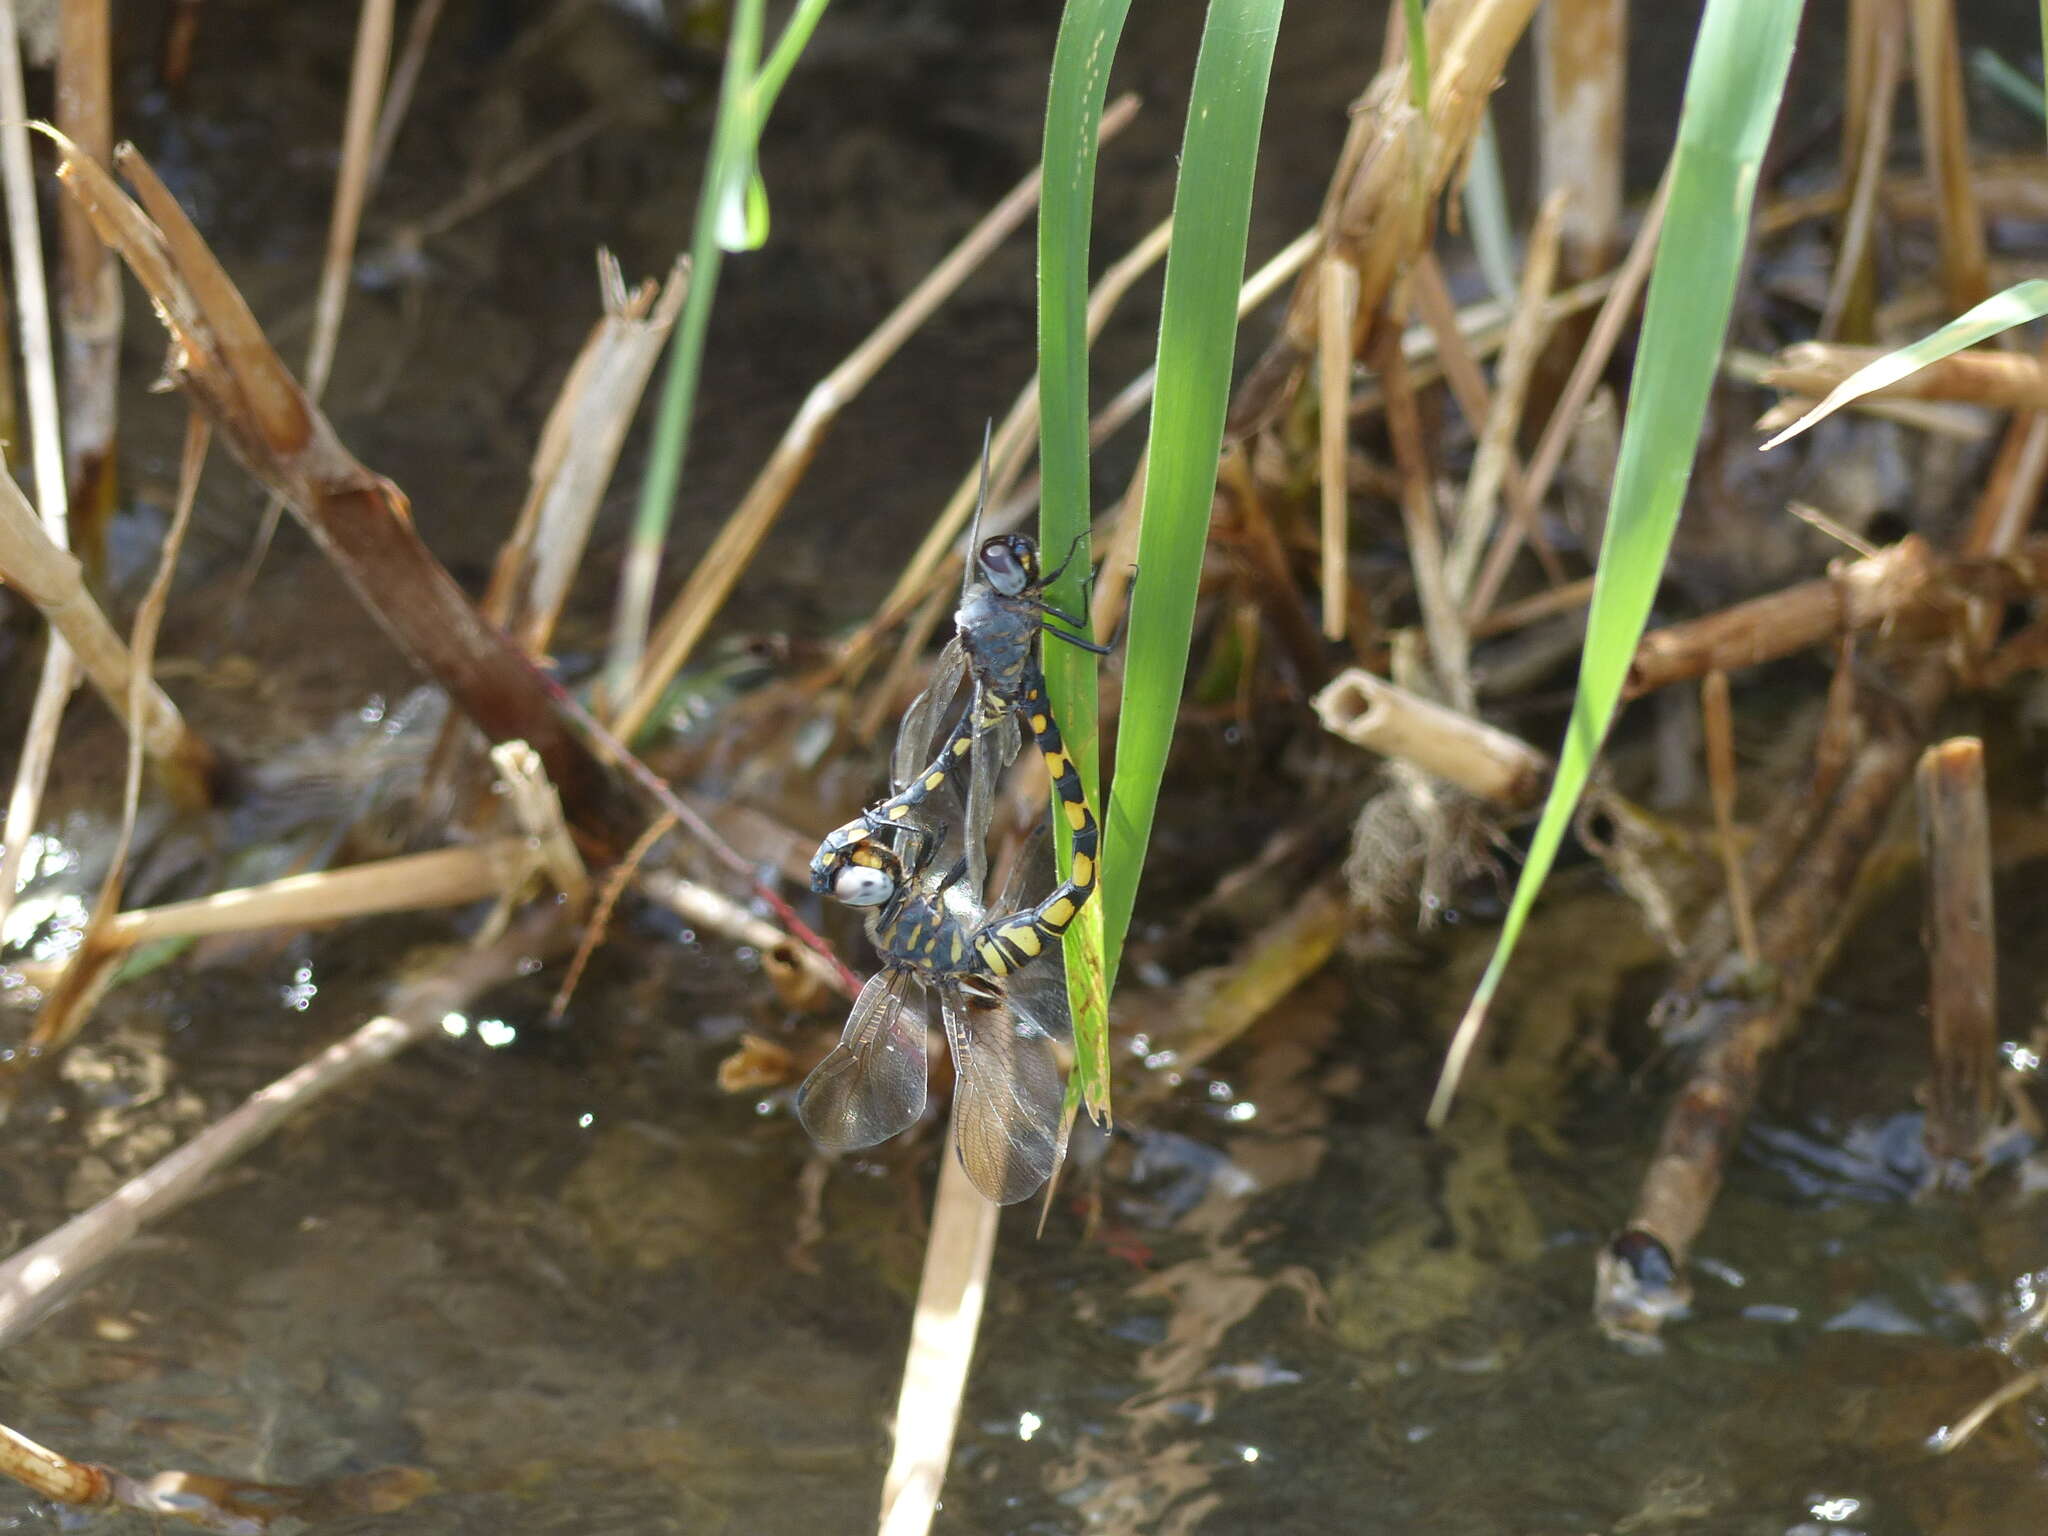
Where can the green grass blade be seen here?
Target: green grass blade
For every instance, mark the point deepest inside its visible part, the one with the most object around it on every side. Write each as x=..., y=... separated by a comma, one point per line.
x=1418, y=55
x=1197, y=340
x=1089, y=31
x=1740, y=58
x=2001, y=312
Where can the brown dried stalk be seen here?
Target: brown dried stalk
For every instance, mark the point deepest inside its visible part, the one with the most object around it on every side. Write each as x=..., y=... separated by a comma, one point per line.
x=1876, y=46
x=1337, y=327
x=89, y=289
x=1854, y=594
x=1394, y=165
x=1955, y=841
x=2008, y=380
x=1720, y=734
x=1945, y=141
x=359, y=519
x=1581, y=72
x=1640, y=1277
x=1449, y=647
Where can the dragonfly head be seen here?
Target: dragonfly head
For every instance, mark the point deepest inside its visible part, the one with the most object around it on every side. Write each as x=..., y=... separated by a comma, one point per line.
x=868, y=877
x=1009, y=563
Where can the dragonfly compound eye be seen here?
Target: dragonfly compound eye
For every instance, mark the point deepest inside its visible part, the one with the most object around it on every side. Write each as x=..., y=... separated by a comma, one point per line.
x=1007, y=561
x=859, y=886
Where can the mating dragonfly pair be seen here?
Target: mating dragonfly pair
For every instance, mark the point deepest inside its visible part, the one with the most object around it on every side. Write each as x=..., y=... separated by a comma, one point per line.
x=931, y=930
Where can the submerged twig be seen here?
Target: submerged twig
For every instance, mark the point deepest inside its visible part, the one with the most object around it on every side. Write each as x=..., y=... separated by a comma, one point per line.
x=1955, y=840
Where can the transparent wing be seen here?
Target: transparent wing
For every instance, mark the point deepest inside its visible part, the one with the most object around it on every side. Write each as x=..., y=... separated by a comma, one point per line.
x=994, y=751
x=872, y=1085
x=919, y=734
x=1006, y=1098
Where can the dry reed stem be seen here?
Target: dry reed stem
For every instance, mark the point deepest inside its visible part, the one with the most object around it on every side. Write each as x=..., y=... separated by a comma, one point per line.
x=2006, y=186
x=89, y=290
x=54, y=581
x=1721, y=784
x=1961, y=939
x=950, y=1294
x=359, y=519
x=1461, y=371
x=1448, y=644
x=38, y=1278
x=1279, y=596
x=1641, y=1273
x=1338, y=324
x=1854, y=595
x=1876, y=32
x=2006, y=380
x=1614, y=314
x=1581, y=78
x=398, y=91
x=1945, y=142
x=1955, y=1436
x=1394, y=164
x=690, y=614
x=1482, y=760
x=32, y=309
x=1520, y=352
x=578, y=451
x=1534, y=608
x=51, y=1474
x=616, y=879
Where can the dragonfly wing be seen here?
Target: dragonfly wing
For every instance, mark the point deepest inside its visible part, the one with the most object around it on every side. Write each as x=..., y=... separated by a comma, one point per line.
x=872, y=1085
x=1006, y=1098
x=918, y=734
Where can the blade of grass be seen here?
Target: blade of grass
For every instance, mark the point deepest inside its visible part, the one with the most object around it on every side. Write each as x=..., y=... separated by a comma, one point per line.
x=1197, y=336
x=1740, y=60
x=1089, y=30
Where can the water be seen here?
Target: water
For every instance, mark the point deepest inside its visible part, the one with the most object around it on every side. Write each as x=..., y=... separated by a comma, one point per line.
x=558, y=1272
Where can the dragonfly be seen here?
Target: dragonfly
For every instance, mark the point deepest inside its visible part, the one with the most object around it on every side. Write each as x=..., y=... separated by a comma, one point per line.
x=995, y=646
x=1001, y=1015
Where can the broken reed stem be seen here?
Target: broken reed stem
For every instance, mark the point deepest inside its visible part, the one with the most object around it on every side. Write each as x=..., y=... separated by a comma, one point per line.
x=1640, y=1279
x=1876, y=32
x=690, y=614
x=1370, y=712
x=1520, y=353
x=89, y=282
x=1961, y=935
x=957, y=1254
x=1854, y=595
x=40, y=1277
x=1581, y=59
x=1721, y=783
x=1945, y=142
x=1337, y=325
x=1579, y=385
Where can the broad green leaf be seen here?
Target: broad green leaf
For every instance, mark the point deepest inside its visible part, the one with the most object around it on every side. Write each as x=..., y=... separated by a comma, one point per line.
x=2001, y=312
x=1089, y=30
x=1740, y=58
x=1197, y=342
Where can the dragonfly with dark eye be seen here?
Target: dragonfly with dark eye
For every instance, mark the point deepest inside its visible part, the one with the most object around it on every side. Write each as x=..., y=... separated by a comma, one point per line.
x=935, y=941
x=995, y=647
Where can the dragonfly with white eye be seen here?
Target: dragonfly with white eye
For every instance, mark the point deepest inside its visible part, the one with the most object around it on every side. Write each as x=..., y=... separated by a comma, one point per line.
x=1001, y=1016
x=995, y=646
